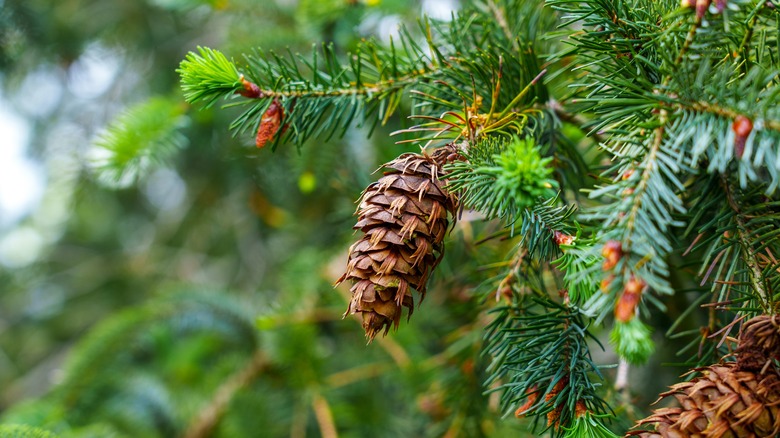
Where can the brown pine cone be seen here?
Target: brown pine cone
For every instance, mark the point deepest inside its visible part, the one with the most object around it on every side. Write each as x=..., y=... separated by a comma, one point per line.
x=403, y=217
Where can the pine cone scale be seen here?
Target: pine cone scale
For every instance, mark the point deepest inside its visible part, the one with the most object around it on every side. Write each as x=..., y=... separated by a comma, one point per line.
x=403, y=216
x=729, y=399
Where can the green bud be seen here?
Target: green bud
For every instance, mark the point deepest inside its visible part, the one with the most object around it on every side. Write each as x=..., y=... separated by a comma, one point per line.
x=588, y=426
x=632, y=341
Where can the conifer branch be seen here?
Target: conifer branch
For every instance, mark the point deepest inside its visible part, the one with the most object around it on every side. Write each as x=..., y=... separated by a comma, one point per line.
x=688, y=42
x=750, y=259
x=321, y=96
x=24, y=431
x=540, y=348
x=142, y=137
x=501, y=177
x=719, y=110
x=650, y=161
x=387, y=86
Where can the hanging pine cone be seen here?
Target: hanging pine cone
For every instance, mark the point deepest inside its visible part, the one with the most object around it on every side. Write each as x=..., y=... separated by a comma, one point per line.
x=404, y=220
x=731, y=399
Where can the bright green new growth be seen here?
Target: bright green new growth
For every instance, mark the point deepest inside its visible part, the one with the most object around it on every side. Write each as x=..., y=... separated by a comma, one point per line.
x=22, y=431
x=501, y=178
x=143, y=136
x=632, y=341
x=588, y=426
x=208, y=75
x=522, y=174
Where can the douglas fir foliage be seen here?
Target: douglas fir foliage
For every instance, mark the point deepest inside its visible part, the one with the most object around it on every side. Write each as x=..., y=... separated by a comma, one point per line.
x=629, y=151
x=672, y=104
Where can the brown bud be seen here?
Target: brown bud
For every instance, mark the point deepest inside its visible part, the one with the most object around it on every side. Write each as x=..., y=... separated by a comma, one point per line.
x=612, y=252
x=628, y=174
x=561, y=238
x=250, y=89
x=505, y=287
x=628, y=191
x=554, y=416
x=634, y=285
x=604, y=286
x=564, y=294
x=468, y=367
x=532, y=396
x=625, y=307
x=269, y=123
x=742, y=127
x=580, y=409
x=701, y=8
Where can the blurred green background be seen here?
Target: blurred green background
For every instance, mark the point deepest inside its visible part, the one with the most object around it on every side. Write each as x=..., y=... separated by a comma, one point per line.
x=195, y=297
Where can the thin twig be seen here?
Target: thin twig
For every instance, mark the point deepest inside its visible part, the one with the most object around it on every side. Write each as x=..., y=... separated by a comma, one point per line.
x=724, y=112
x=621, y=380
x=204, y=423
x=747, y=249
x=574, y=119
x=744, y=45
x=362, y=90
x=498, y=14
x=639, y=191
x=324, y=417
x=352, y=375
x=688, y=41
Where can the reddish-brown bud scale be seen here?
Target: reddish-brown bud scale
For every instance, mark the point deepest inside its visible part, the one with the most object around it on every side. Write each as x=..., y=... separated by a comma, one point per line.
x=250, y=89
x=269, y=123
x=625, y=307
x=701, y=8
x=612, y=252
x=580, y=409
x=742, y=127
x=634, y=285
x=554, y=416
x=562, y=238
x=467, y=367
x=564, y=294
x=533, y=395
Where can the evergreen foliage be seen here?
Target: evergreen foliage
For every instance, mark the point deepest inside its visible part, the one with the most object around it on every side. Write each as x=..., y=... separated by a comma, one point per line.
x=21, y=431
x=142, y=402
x=138, y=140
x=504, y=183
x=620, y=158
